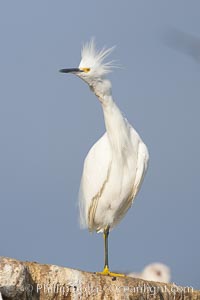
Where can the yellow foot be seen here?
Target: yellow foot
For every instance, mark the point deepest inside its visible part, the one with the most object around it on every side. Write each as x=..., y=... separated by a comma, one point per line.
x=107, y=272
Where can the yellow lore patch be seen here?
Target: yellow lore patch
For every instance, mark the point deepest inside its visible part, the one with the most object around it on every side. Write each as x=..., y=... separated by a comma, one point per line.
x=86, y=70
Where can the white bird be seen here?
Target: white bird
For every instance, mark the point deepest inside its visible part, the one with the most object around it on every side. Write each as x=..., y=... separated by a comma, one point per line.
x=116, y=164
x=154, y=272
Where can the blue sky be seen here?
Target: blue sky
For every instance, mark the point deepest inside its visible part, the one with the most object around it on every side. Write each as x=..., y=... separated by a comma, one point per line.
x=49, y=121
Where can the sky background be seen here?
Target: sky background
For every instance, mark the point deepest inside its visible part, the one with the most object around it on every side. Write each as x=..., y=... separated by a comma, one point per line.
x=49, y=121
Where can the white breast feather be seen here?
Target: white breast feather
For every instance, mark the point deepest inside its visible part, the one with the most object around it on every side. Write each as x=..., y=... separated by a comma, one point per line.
x=95, y=172
x=96, y=163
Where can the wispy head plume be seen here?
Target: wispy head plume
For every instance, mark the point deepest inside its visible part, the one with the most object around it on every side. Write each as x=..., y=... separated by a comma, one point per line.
x=95, y=59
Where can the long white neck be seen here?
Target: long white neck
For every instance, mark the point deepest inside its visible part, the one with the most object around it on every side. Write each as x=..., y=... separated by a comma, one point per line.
x=116, y=125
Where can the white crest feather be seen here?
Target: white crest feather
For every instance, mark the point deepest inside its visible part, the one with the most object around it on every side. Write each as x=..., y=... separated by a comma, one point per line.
x=94, y=59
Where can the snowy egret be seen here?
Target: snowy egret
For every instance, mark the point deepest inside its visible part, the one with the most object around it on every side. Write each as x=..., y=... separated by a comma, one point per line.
x=154, y=272
x=116, y=164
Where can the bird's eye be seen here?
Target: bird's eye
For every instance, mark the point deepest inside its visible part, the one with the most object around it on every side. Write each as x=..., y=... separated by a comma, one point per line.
x=158, y=273
x=86, y=70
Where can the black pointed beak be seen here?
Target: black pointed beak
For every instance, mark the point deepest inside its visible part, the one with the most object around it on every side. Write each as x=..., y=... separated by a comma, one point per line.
x=72, y=70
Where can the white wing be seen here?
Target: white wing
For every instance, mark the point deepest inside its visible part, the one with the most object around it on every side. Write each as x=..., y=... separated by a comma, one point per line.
x=141, y=160
x=95, y=171
x=142, y=164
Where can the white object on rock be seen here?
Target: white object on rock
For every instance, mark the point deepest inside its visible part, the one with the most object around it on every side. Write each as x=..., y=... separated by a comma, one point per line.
x=154, y=272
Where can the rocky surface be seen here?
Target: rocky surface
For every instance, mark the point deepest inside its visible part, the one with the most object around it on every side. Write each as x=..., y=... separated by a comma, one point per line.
x=29, y=280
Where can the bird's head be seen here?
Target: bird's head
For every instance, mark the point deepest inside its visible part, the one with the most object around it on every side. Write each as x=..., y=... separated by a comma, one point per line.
x=156, y=272
x=93, y=68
